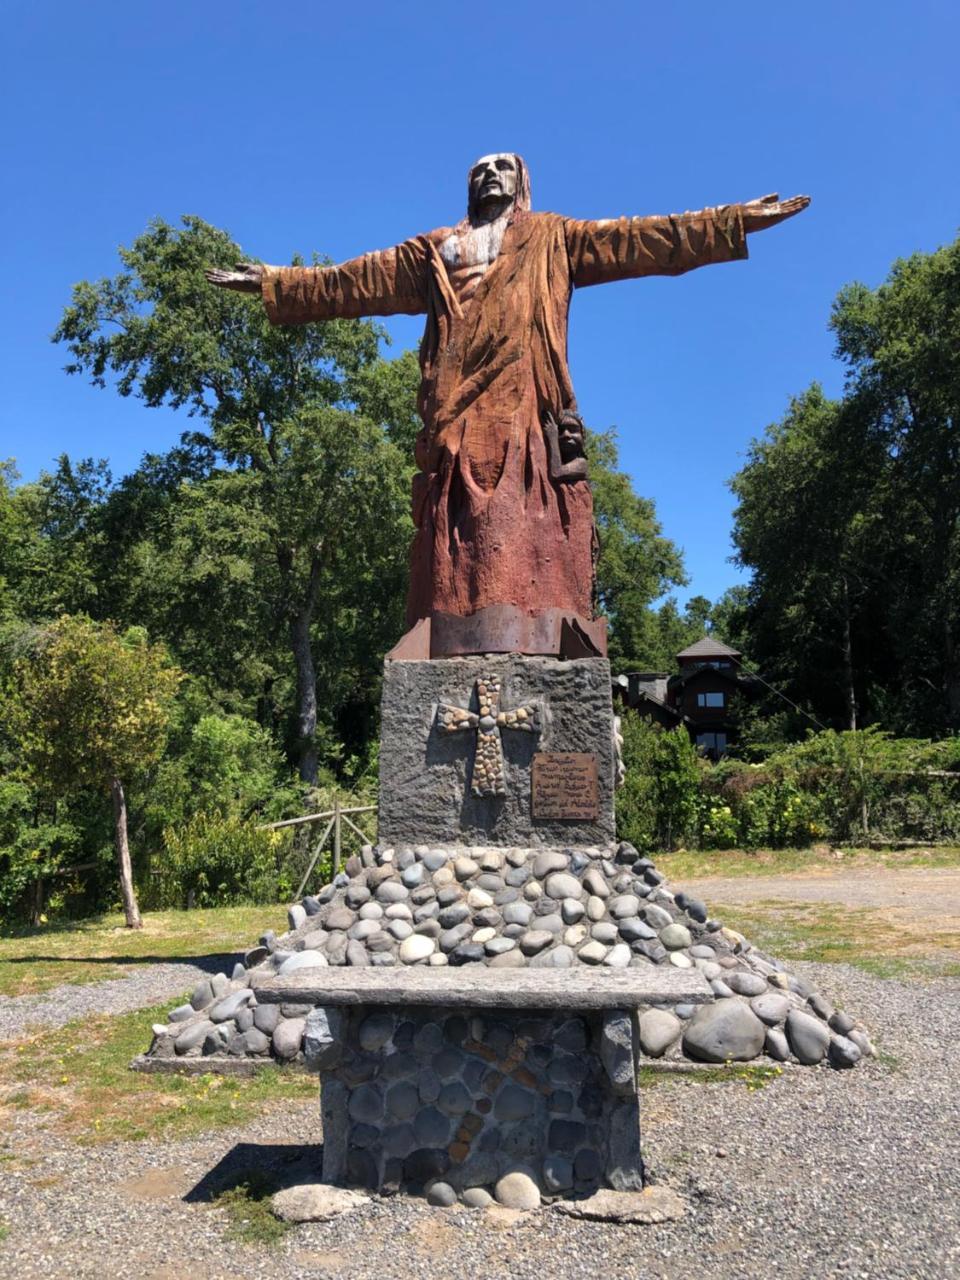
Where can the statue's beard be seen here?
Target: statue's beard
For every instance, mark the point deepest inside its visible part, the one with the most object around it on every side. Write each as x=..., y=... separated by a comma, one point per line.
x=476, y=245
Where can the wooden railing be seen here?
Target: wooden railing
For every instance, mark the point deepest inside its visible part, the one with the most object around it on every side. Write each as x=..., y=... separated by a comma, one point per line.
x=336, y=818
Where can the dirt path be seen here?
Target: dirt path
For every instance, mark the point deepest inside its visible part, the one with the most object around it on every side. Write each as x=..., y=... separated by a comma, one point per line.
x=929, y=896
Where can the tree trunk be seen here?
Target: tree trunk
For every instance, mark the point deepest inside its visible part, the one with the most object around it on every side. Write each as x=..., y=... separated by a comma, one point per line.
x=849, y=691
x=130, y=908
x=951, y=675
x=306, y=695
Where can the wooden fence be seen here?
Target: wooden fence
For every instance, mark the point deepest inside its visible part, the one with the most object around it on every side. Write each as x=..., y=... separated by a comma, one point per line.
x=336, y=818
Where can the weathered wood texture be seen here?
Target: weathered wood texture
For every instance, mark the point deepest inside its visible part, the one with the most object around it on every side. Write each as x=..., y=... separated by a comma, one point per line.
x=478, y=986
x=493, y=525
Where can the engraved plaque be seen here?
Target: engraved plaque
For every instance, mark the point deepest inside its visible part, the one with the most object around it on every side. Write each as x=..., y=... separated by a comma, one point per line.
x=565, y=786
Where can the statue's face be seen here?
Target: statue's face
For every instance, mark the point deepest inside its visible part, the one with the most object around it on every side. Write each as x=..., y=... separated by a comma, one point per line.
x=571, y=439
x=493, y=178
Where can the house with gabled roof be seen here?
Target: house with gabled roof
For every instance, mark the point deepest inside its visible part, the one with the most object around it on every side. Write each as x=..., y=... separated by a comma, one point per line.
x=701, y=694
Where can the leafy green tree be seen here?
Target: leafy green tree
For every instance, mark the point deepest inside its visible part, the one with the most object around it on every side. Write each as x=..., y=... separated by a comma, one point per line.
x=302, y=486
x=849, y=514
x=637, y=564
x=91, y=708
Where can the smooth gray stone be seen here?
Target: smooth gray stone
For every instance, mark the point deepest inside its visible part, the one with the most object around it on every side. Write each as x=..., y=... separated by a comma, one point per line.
x=557, y=1173
x=745, y=983
x=548, y=863
x=431, y=1127
x=722, y=1032
x=560, y=885
x=843, y=1052
x=840, y=1022
x=440, y=1194
x=685, y=1011
x=863, y=1043
x=656, y=916
x=375, y=1031
x=357, y=894
x=254, y=1042
x=535, y=940
x=392, y=891
x=694, y=908
x=228, y=1008
x=412, y=876
x=182, y=1013
x=618, y=957
x=770, y=1008
x=288, y=1037
x=366, y=1104
x=453, y=915
x=202, y=995
x=553, y=923
x=454, y=1099
x=266, y=1017
x=720, y=989
x=305, y=960
x=700, y=951
x=219, y=984
x=633, y=929
x=340, y=918
x=323, y=1038
x=623, y=906
x=363, y=929
x=659, y=1030
x=435, y=859
x=775, y=1044
x=821, y=1007
x=244, y=1018
x=193, y=1035
x=604, y=932
x=809, y=1037
x=677, y=936
x=427, y=911
x=448, y=894
x=595, y=883
x=514, y=1103
x=402, y=1102
x=452, y=938
x=311, y=905
x=296, y=916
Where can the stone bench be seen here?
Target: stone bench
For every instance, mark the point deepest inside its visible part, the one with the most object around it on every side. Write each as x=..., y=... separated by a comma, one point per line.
x=464, y=1075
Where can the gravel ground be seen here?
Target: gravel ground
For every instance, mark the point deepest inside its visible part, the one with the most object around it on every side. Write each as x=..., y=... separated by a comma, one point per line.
x=822, y=1173
x=927, y=894
x=140, y=987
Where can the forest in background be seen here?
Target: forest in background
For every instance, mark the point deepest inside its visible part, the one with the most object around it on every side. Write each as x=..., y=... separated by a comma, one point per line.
x=258, y=570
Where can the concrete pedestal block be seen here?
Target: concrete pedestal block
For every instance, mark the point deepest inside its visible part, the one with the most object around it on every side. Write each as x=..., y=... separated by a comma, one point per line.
x=426, y=775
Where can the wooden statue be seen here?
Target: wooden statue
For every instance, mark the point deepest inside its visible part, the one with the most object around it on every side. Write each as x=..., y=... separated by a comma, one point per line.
x=502, y=556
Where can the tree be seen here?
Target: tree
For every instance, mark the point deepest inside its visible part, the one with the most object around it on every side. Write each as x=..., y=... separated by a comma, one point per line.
x=849, y=514
x=294, y=460
x=637, y=564
x=91, y=709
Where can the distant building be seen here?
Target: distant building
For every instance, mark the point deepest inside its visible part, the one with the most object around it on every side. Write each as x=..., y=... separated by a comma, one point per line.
x=700, y=695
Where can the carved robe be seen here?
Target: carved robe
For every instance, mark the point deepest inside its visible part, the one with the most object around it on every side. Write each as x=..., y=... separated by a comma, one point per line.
x=492, y=528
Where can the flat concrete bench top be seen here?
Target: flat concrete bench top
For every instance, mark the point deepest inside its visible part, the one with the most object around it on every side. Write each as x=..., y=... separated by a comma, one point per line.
x=477, y=986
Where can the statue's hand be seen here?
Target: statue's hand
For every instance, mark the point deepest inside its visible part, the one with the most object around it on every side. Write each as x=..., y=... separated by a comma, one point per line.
x=769, y=210
x=245, y=279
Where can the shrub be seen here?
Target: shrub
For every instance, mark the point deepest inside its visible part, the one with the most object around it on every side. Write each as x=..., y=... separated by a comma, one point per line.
x=213, y=861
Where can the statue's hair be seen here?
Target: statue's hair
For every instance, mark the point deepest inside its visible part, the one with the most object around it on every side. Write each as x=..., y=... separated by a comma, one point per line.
x=522, y=198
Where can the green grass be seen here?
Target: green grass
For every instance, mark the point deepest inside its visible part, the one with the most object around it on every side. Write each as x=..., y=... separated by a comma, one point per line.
x=93, y=950
x=4, y=1232
x=863, y=937
x=79, y=1075
x=251, y=1220
x=751, y=1077
x=685, y=864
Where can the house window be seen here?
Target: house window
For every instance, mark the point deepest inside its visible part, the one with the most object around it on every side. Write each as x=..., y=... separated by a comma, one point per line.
x=711, y=699
x=714, y=744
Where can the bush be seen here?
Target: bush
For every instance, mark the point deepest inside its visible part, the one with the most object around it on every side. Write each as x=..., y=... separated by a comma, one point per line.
x=215, y=861
x=842, y=787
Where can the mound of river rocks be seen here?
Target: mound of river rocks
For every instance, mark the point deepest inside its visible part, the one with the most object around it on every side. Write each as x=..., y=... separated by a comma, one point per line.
x=420, y=905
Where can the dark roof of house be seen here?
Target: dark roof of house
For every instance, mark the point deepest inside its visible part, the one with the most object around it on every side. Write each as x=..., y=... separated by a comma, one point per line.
x=709, y=648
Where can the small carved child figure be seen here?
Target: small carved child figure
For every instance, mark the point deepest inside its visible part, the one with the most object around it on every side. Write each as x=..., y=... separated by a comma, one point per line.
x=565, y=445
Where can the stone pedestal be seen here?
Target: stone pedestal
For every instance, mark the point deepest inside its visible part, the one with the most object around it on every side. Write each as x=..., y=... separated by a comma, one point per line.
x=420, y=1093
x=428, y=774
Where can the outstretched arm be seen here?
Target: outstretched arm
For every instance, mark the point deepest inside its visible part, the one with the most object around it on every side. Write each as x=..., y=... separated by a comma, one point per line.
x=391, y=282
x=621, y=248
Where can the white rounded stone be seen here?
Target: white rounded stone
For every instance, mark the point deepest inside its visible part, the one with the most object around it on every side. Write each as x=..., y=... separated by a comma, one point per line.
x=416, y=947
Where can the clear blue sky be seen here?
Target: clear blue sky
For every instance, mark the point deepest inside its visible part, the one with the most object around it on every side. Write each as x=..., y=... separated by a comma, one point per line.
x=347, y=127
